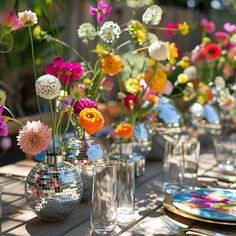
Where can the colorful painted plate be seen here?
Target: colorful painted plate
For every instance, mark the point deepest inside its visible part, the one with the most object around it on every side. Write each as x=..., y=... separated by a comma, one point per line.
x=216, y=204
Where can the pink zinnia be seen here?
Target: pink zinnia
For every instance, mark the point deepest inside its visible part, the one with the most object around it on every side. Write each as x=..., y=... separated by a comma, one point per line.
x=222, y=37
x=107, y=84
x=230, y=28
x=131, y=100
x=101, y=10
x=228, y=71
x=208, y=26
x=170, y=27
x=84, y=103
x=10, y=20
x=68, y=72
x=34, y=137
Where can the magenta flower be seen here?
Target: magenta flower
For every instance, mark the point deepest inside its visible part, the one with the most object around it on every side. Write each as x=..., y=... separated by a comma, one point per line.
x=208, y=26
x=3, y=125
x=131, y=101
x=101, y=10
x=230, y=28
x=68, y=72
x=222, y=37
x=84, y=103
x=170, y=27
x=10, y=20
x=107, y=84
x=34, y=137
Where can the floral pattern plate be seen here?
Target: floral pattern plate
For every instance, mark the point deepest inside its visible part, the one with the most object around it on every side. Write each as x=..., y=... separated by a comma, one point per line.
x=217, y=204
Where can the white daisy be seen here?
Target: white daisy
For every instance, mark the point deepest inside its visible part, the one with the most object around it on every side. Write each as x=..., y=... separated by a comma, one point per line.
x=152, y=15
x=87, y=32
x=109, y=31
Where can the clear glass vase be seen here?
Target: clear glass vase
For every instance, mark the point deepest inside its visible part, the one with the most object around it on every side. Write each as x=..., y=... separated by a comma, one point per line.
x=180, y=164
x=104, y=203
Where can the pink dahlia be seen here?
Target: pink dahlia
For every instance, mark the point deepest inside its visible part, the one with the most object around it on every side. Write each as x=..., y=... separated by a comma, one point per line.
x=208, y=26
x=84, y=103
x=222, y=37
x=131, y=101
x=101, y=10
x=34, y=137
x=10, y=20
x=230, y=28
x=68, y=72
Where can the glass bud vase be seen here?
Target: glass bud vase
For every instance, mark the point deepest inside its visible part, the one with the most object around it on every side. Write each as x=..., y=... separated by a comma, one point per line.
x=53, y=188
x=83, y=153
x=181, y=162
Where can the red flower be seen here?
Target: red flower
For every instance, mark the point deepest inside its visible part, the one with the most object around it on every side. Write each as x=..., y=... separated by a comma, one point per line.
x=211, y=51
x=131, y=101
x=65, y=71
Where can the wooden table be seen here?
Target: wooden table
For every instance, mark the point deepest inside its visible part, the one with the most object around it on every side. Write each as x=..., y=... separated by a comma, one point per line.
x=19, y=220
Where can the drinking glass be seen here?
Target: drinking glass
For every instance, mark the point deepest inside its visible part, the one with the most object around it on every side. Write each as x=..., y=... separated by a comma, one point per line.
x=125, y=190
x=180, y=164
x=225, y=150
x=104, y=204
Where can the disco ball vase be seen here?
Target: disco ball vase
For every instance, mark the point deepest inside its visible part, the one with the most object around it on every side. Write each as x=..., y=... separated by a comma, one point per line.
x=53, y=188
x=83, y=153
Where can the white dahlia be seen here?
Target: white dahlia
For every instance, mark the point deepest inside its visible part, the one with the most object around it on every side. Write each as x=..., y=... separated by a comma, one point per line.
x=109, y=31
x=87, y=32
x=152, y=15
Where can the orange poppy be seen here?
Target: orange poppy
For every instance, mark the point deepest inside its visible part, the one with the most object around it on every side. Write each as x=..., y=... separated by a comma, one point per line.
x=112, y=64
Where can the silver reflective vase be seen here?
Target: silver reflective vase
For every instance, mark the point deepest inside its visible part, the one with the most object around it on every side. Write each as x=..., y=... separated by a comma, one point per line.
x=53, y=188
x=83, y=153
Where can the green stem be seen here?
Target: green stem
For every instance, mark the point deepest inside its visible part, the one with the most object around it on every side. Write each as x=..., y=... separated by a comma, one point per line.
x=34, y=69
x=53, y=127
x=15, y=120
x=123, y=44
x=10, y=112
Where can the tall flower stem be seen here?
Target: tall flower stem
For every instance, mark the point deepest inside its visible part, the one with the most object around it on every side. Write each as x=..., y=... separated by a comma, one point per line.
x=53, y=127
x=34, y=69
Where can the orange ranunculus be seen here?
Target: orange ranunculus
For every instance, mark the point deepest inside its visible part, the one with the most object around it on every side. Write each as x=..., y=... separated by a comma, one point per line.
x=91, y=120
x=112, y=64
x=124, y=131
x=159, y=81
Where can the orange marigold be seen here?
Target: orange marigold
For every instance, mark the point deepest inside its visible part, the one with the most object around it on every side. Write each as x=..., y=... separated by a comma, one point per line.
x=112, y=64
x=91, y=120
x=124, y=131
x=158, y=82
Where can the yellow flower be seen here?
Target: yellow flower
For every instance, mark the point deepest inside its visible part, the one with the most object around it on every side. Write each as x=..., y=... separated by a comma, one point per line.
x=190, y=84
x=37, y=32
x=101, y=49
x=140, y=76
x=206, y=40
x=201, y=100
x=182, y=78
x=184, y=63
x=132, y=85
x=151, y=62
x=173, y=53
x=87, y=81
x=62, y=95
x=183, y=28
x=138, y=31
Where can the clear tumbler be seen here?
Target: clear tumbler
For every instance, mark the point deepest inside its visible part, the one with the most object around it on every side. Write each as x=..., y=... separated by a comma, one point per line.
x=104, y=203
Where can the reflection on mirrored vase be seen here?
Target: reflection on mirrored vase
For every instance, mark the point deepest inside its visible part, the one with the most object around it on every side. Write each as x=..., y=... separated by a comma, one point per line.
x=104, y=203
x=181, y=162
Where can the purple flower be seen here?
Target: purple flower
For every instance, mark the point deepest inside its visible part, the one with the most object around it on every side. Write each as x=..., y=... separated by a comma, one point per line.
x=230, y=28
x=3, y=128
x=84, y=103
x=65, y=71
x=5, y=143
x=103, y=9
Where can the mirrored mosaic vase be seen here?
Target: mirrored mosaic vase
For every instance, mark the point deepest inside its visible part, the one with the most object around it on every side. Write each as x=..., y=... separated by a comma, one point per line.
x=83, y=153
x=53, y=188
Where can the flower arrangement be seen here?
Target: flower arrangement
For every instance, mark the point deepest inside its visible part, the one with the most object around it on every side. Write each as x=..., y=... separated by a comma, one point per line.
x=206, y=74
x=72, y=89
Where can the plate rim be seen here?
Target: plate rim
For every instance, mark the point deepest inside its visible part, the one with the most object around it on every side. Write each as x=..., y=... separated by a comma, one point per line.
x=167, y=203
